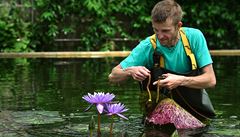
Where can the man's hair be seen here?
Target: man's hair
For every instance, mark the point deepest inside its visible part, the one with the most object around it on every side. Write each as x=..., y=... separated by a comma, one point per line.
x=167, y=9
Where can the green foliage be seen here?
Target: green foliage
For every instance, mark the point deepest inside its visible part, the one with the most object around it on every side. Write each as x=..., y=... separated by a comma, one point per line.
x=46, y=26
x=14, y=31
x=219, y=21
x=112, y=19
x=98, y=22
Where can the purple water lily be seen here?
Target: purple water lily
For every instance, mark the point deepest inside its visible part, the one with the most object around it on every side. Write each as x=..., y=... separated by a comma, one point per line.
x=99, y=99
x=116, y=109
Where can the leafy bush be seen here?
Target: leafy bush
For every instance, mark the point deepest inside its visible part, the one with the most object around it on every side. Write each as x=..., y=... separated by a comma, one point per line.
x=97, y=24
x=14, y=31
x=219, y=21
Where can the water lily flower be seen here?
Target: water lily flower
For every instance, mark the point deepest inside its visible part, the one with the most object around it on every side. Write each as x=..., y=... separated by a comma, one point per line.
x=116, y=109
x=99, y=99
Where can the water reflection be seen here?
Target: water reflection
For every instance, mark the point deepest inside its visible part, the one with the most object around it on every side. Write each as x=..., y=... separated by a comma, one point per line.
x=44, y=90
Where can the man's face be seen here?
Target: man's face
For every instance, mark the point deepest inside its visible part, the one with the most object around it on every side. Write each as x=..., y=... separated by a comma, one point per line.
x=166, y=32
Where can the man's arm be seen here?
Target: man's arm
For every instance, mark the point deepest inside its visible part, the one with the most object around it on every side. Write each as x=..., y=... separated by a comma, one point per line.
x=118, y=74
x=205, y=80
x=138, y=73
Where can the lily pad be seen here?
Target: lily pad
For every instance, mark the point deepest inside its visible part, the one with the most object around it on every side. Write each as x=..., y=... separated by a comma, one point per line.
x=37, y=117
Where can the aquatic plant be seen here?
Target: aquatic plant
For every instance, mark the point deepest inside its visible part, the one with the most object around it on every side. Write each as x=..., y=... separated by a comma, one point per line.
x=115, y=109
x=91, y=126
x=100, y=99
x=104, y=103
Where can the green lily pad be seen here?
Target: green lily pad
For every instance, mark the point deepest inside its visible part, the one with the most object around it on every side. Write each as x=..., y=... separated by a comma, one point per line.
x=37, y=117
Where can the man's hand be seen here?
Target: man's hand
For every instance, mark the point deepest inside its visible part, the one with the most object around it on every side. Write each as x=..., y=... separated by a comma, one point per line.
x=138, y=73
x=171, y=81
x=206, y=80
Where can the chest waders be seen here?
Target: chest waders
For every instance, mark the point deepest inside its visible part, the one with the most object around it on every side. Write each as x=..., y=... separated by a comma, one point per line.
x=195, y=101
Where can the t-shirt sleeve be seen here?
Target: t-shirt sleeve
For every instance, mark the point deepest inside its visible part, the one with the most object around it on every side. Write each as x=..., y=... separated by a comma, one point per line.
x=199, y=48
x=139, y=56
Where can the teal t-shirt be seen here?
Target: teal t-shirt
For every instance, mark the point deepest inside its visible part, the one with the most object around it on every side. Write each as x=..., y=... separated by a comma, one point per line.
x=175, y=58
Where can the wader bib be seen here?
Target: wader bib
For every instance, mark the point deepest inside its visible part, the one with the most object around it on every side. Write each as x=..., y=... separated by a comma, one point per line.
x=195, y=101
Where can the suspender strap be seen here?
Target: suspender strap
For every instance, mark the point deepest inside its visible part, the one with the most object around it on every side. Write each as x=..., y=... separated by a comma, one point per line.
x=154, y=44
x=186, y=47
x=153, y=41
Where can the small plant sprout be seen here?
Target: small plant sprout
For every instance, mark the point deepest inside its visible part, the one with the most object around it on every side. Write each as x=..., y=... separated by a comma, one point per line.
x=91, y=126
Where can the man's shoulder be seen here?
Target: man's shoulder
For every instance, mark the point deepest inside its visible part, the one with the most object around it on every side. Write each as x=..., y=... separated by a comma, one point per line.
x=143, y=47
x=146, y=39
x=146, y=42
x=192, y=31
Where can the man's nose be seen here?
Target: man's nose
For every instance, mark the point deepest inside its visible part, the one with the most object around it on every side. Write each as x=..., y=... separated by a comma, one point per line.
x=159, y=35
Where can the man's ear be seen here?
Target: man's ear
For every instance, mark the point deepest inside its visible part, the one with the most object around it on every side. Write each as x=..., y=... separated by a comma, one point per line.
x=179, y=24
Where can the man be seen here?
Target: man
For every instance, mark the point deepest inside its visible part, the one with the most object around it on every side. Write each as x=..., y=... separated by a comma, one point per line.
x=166, y=22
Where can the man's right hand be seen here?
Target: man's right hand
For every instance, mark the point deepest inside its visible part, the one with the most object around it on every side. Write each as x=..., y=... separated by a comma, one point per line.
x=138, y=73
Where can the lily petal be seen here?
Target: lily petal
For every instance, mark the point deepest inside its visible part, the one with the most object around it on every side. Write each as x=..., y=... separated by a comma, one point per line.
x=90, y=106
x=100, y=108
x=122, y=116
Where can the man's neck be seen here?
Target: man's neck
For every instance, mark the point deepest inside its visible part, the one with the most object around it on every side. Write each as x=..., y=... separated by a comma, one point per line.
x=175, y=41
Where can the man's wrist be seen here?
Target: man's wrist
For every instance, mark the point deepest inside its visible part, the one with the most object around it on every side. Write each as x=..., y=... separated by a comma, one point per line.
x=126, y=72
x=184, y=81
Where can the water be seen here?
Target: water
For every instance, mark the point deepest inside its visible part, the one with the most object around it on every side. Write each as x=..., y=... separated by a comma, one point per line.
x=43, y=97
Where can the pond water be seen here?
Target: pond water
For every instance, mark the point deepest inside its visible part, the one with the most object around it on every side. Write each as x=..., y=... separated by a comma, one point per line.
x=43, y=97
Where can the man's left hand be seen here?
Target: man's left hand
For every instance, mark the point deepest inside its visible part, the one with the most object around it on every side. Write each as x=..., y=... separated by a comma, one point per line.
x=171, y=81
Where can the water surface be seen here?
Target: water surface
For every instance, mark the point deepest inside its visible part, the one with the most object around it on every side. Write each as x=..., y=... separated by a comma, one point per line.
x=43, y=97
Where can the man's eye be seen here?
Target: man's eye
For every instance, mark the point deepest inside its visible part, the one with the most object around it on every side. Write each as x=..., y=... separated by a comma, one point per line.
x=165, y=30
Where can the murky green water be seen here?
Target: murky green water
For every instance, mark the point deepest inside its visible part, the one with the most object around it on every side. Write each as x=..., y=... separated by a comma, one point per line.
x=43, y=97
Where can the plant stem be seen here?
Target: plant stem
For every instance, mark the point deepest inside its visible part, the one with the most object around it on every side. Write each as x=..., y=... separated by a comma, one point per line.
x=91, y=126
x=91, y=132
x=111, y=126
x=99, y=120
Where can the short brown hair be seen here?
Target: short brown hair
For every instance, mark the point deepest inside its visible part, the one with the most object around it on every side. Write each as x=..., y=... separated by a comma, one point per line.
x=167, y=9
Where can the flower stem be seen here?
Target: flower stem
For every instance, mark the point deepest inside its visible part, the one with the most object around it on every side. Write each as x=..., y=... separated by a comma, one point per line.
x=111, y=126
x=99, y=120
x=91, y=126
x=91, y=133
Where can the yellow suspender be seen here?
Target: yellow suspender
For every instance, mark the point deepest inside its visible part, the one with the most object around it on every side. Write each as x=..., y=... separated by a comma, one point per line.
x=153, y=42
x=186, y=47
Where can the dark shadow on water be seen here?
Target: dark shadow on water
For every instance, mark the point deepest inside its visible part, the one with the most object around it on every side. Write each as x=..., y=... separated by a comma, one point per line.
x=157, y=131
x=170, y=131
x=199, y=132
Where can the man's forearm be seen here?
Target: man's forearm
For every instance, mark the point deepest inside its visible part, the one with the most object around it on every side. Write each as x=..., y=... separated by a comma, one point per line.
x=206, y=80
x=118, y=75
x=199, y=82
